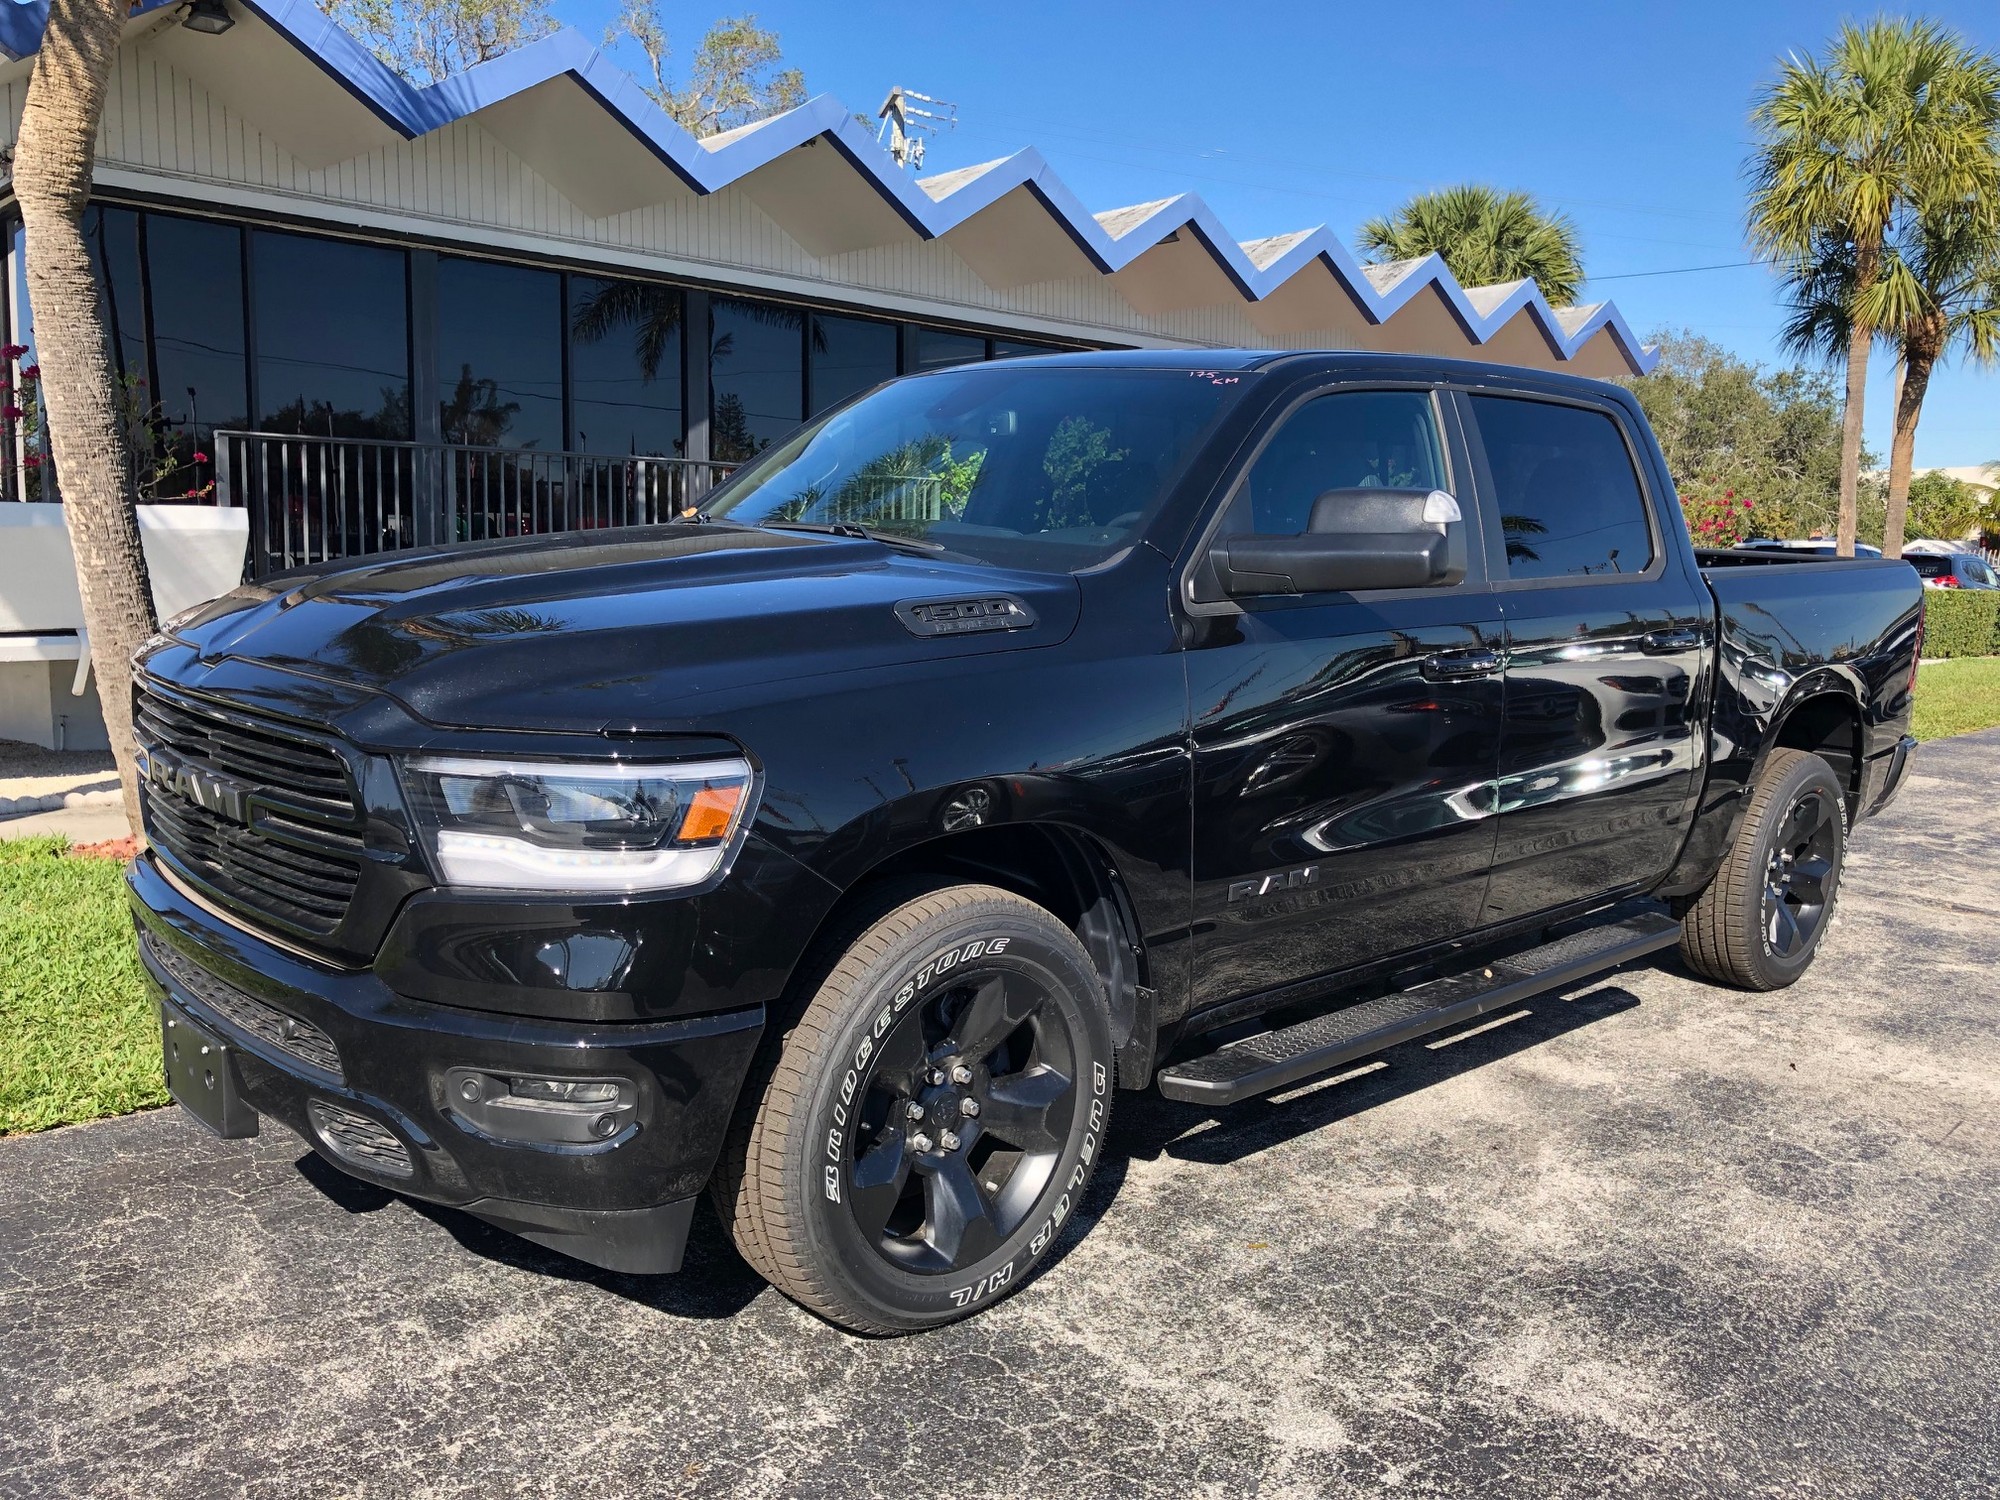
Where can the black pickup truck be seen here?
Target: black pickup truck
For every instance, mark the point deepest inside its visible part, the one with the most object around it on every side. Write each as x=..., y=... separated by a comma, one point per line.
x=1007, y=736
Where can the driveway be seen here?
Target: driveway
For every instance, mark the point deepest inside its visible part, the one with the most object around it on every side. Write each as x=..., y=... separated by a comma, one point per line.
x=1651, y=1238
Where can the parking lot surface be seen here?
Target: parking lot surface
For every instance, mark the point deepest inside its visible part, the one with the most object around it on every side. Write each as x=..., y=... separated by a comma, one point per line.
x=1646, y=1238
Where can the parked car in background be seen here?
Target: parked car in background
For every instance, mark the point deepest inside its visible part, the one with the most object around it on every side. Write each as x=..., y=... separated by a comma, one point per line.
x=1952, y=570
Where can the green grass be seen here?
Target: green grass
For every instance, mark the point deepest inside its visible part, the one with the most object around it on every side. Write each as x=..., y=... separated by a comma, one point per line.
x=77, y=1036
x=1956, y=697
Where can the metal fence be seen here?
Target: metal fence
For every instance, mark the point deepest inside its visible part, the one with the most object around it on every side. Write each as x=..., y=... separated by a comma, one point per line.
x=312, y=499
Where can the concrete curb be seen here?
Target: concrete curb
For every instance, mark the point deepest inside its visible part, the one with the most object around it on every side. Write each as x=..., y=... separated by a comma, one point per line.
x=56, y=801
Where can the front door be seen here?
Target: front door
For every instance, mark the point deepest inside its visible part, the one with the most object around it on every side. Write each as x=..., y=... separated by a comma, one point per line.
x=1607, y=641
x=1345, y=744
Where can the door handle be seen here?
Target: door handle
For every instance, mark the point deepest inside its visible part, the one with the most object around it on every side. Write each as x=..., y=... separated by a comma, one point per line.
x=1456, y=666
x=1661, y=642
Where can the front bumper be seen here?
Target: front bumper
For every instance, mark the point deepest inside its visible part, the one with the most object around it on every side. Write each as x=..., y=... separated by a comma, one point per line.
x=304, y=1034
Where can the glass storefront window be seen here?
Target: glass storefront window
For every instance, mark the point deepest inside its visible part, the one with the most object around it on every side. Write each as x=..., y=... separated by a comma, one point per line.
x=113, y=237
x=196, y=311
x=625, y=366
x=937, y=349
x=333, y=336
x=1014, y=348
x=499, y=357
x=756, y=376
x=848, y=356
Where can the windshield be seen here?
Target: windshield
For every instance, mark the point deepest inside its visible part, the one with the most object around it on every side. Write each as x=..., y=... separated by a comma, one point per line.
x=1051, y=469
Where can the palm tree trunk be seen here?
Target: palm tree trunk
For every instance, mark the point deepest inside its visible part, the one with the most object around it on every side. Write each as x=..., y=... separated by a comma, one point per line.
x=1919, y=359
x=1867, y=264
x=53, y=160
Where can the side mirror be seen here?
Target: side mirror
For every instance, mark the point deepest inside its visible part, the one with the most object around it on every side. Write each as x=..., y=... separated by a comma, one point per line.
x=1357, y=539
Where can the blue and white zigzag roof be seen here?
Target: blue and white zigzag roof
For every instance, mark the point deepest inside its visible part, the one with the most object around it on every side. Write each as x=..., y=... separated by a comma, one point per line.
x=930, y=208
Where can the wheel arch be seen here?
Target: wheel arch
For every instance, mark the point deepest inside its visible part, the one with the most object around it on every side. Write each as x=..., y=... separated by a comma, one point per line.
x=1059, y=867
x=1823, y=717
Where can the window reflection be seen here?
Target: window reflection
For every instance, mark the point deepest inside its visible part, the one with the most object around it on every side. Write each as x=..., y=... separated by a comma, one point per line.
x=333, y=336
x=936, y=349
x=757, y=376
x=848, y=356
x=500, y=331
x=196, y=311
x=625, y=366
x=1569, y=500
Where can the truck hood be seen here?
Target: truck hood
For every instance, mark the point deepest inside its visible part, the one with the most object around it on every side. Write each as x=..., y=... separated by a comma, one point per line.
x=645, y=627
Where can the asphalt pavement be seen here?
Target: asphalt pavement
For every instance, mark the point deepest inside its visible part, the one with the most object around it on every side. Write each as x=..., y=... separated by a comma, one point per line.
x=1649, y=1238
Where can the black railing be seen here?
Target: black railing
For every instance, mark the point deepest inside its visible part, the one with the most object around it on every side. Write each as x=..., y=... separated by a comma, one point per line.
x=312, y=499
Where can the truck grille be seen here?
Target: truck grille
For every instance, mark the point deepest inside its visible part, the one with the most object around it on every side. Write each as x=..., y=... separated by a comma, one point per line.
x=263, y=817
x=288, y=1033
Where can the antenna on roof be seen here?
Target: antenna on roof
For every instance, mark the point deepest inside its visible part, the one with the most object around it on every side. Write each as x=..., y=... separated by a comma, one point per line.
x=905, y=124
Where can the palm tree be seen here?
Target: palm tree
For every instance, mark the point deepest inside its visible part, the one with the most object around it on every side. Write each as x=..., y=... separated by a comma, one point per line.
x=53, y=159
x=1896, y=112
x=1485, y=236
x=1939, y=293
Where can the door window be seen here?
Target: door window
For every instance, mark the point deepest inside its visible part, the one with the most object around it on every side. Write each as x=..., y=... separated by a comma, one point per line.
x=1569, y=500
x=1348, y=440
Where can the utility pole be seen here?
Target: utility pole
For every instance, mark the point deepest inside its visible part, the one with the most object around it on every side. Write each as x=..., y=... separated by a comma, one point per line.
x=906, y=123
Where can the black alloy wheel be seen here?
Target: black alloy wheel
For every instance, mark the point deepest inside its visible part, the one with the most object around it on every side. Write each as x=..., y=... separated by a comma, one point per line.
x=963, y=1118
x=1767, y=910
x=1798, y=876
x=911, y=1147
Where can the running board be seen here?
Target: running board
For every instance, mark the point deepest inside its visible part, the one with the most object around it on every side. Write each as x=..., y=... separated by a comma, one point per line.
x=1260, y=1064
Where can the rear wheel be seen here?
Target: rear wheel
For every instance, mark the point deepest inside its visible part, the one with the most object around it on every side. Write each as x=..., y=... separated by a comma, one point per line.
x=922, y=1133
x=1760, y=921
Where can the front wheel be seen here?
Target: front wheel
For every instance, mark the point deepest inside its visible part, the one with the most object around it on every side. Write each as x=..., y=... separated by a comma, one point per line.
x=926, y=1128
x=1760, y=921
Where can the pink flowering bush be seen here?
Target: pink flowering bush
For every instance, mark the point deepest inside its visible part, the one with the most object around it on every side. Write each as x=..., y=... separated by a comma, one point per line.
x=1716, y=515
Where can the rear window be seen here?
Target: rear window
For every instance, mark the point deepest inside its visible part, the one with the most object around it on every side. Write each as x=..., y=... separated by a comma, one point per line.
x=1570, y=502
x=1929, y=567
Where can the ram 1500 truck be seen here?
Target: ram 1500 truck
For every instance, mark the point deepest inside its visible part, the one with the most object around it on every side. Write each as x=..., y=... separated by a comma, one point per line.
x=1005, y=737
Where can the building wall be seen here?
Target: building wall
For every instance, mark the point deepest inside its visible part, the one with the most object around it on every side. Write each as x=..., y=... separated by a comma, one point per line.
x=165, y=133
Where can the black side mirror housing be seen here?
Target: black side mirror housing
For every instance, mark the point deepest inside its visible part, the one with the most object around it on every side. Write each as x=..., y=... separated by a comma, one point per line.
x=1357, y=539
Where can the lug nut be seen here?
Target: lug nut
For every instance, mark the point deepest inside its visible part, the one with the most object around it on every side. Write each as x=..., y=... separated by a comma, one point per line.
x=920, y=1142
x=948, y=1139
x=935, y=1076
x=961, y=1074
x=968, y=1107
x=913, y=1110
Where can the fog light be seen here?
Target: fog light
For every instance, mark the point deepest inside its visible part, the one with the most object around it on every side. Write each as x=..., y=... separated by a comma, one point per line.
x=540, y=1110
x=563, y=1090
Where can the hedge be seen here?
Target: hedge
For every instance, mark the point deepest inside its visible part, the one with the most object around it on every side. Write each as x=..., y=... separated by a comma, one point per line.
x=1961, y=622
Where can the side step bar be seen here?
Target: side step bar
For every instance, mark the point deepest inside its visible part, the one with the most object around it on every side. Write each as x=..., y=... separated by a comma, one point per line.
x=1260, y=1064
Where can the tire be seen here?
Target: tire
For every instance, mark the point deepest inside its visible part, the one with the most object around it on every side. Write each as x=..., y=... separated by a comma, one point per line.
x=884, y=1219
x=1760, y=921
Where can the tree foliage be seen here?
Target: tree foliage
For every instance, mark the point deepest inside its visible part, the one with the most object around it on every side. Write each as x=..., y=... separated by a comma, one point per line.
x=1733, y=430
x=1485, y=236
x=737, y=75
x=1893, y=121
x=426, y=40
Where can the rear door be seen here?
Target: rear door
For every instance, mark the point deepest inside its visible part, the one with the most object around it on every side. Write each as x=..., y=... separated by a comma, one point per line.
x=1607, y=633
x=1345, y=743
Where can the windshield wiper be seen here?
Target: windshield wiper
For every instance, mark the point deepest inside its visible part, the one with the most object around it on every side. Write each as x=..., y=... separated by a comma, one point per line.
x=858, y=531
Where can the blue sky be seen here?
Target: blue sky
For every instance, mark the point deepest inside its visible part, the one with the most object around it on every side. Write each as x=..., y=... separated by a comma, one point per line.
x=1630, y=118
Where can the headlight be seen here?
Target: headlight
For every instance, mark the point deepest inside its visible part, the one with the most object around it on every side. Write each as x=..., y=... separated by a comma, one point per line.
x=539, y=826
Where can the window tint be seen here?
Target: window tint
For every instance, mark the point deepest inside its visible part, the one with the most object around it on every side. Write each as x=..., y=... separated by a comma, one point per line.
x=625, y=366
x=1569, y=501
x=499, y=355
x=333, y=336
x=1352, y=440
x=849, y=355
x=757, y=377
x=1977, y=571
x=113, y=237
x=1928, y=566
